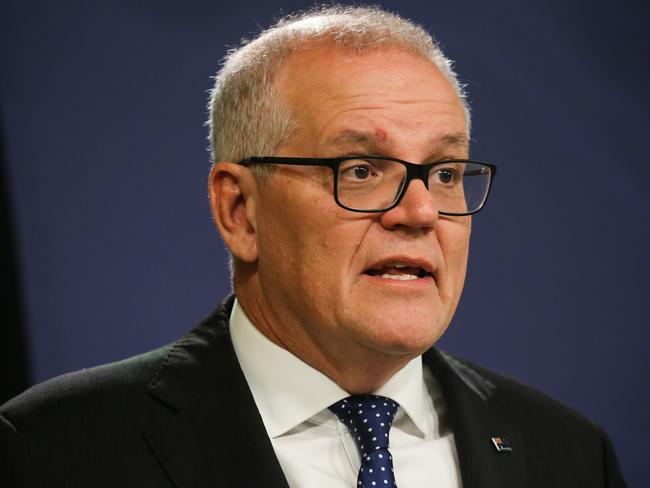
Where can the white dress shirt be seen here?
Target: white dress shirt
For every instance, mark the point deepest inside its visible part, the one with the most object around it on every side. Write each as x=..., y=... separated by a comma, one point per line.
x=314, y=448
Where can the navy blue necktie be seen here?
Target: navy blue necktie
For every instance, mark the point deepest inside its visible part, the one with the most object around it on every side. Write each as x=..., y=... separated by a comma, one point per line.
x=368, y=418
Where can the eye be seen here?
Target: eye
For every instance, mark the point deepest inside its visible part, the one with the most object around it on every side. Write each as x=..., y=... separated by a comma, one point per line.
x=357, y=170
x=361, y=172
x=447, y=175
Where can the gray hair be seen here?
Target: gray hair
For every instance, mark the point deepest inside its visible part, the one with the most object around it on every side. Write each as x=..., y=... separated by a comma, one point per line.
x=247, y=116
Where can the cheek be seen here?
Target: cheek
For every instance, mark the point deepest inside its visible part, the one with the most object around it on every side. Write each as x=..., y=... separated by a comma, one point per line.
x=303, y=235
x=454, y=243
x=330, y=244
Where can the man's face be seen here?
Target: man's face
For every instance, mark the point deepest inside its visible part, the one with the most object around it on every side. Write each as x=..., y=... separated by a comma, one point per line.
x=320, y=266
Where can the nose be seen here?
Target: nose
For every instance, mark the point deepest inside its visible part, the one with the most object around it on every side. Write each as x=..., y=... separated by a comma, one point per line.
x=417, y=209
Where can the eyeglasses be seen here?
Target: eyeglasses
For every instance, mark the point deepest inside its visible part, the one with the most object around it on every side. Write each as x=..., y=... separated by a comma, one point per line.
x=377, y=184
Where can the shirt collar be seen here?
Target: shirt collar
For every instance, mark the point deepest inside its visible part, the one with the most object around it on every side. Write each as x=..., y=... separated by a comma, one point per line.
x=288, y=391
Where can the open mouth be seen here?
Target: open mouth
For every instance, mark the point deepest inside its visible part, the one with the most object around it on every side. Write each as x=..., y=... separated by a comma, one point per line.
x=399, y=271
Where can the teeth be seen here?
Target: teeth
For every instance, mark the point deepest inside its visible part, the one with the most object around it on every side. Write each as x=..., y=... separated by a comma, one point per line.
x=402, y=277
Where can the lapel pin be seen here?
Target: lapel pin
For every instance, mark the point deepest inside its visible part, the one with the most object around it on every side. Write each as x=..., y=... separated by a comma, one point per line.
x=501, y=444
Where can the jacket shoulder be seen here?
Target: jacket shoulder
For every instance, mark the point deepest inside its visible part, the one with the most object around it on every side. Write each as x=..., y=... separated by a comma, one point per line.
x=116, y=391
x=520, y=401
x=63, y=431
x=555, y=437
x=103, y=386
x=516, y=395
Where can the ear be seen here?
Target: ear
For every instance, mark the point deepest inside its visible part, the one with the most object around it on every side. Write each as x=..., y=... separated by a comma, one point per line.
x=233, y=197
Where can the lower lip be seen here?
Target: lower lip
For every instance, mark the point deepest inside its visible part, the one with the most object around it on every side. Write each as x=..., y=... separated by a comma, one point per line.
x=418, y=283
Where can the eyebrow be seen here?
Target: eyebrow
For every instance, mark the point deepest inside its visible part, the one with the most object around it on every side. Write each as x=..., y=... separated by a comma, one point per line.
x=371, y=142
x=458, y=139
x=350, y=136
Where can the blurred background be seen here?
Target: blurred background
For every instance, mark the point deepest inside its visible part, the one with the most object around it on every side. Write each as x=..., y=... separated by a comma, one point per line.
x=109, y=250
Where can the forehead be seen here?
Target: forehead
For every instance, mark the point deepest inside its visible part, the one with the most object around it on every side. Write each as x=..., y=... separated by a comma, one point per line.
x=382, y=95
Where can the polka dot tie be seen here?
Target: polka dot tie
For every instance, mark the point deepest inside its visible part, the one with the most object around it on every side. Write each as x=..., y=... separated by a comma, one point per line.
x=368, y=418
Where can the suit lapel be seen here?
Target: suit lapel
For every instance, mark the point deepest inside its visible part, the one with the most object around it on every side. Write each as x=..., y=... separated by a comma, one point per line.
x=474, y=408
x=206, y=430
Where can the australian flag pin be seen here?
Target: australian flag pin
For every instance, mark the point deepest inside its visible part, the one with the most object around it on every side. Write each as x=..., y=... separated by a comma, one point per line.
x=501, y=444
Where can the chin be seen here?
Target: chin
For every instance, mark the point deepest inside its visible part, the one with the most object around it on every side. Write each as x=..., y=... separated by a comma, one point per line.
x=408, y=335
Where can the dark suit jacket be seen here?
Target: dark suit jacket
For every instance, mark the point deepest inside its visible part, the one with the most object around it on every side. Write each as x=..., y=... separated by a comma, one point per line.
x=183, y=416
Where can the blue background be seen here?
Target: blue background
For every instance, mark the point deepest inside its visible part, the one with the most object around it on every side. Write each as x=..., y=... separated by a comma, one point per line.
x=103, y=105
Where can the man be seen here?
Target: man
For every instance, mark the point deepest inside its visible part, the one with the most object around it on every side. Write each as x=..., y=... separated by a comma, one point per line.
x=343, y=189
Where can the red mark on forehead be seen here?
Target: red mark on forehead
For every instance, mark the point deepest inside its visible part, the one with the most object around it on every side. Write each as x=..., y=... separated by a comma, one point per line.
x=381, y=135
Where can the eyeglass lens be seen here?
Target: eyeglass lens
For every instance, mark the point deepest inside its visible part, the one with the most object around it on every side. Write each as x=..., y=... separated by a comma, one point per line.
x=375, y=184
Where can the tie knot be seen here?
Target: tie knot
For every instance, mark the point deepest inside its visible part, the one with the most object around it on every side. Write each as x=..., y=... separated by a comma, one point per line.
x=368, y=418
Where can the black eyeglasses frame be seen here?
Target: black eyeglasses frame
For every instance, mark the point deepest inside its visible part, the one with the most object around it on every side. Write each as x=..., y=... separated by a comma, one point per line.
x=413, y=172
